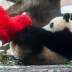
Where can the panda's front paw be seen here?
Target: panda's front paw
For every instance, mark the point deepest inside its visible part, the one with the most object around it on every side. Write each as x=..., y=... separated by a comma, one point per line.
x=66, y=17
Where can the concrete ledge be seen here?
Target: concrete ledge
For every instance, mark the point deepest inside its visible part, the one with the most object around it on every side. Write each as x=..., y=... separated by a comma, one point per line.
x=43, y=68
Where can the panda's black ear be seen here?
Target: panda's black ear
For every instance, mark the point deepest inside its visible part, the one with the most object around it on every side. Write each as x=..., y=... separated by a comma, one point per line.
x=71, y=16
x=66, y=17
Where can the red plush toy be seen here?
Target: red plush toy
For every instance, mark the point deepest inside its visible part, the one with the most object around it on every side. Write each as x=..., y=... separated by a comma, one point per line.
x=10, y=25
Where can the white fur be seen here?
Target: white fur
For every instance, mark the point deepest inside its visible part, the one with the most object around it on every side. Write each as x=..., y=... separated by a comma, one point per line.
x=12, y=51
x=59, y=24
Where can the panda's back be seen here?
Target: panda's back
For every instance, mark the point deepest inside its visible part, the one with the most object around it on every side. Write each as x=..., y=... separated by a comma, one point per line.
x=61, y=42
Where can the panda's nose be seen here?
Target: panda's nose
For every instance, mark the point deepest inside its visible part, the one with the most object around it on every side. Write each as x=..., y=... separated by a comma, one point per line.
x=47, y=28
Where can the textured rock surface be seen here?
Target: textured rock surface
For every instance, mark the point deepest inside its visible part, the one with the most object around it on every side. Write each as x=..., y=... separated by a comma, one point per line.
x=53, y=68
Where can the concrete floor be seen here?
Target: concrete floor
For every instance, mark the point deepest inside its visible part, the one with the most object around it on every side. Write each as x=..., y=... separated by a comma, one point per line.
x=66, y=2
x=66, y=6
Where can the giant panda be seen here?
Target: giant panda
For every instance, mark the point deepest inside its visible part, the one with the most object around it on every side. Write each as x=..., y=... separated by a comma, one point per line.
x=61, y=41
x=28, y=47
x=38, y=46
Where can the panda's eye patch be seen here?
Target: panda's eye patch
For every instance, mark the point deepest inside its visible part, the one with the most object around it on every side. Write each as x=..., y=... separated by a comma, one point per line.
x=51, y=25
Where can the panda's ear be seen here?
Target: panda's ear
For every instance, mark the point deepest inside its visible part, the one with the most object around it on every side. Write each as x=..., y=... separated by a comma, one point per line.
x=66, y=17
x=71, y=16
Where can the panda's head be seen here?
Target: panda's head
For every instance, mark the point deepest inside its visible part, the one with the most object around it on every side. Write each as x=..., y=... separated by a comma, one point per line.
x=60, y=23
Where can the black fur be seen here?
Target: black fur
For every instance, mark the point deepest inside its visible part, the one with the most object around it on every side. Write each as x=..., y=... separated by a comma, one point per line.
x=33, y=37
x=37, y=38
x=51, y=25
x=71, y=16
x=61, y=42
x=66, y=17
